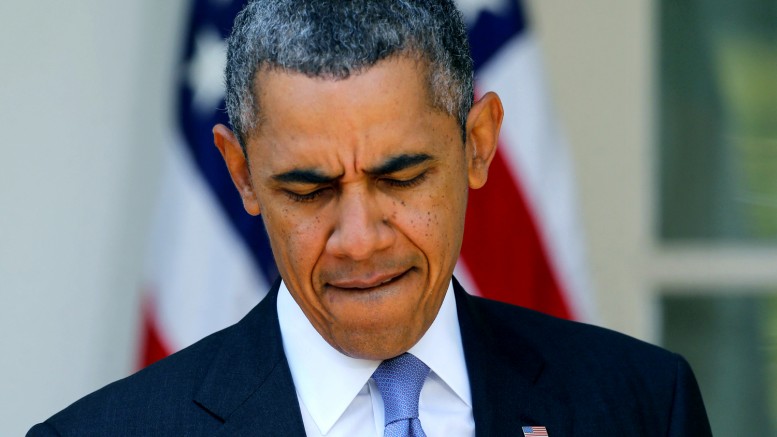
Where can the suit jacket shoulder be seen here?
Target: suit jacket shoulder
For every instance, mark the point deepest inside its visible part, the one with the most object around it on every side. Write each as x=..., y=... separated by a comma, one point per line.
x=527, y=368
x=232, y=382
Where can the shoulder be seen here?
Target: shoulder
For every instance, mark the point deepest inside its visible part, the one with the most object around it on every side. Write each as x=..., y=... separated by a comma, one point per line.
x=188, y=393
x=602, y=374
x=148, y=402
x=583, y=357
x=598, y=375
x=555, y=337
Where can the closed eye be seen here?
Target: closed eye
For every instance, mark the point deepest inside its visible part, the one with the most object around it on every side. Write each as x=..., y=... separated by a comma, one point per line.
x=306, y=197
x=405, y=183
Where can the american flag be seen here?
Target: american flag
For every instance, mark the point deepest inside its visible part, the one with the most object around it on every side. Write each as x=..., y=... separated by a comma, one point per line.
x=533, y=431
x=210, y=262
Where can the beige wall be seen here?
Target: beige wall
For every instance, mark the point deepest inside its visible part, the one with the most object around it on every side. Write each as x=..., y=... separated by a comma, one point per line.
x=599, y=58
x=83, y=101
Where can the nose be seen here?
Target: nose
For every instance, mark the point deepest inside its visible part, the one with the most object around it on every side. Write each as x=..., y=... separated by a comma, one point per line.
x=362, y=227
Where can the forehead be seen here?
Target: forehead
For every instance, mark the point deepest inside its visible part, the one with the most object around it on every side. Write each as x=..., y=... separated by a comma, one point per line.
x=384, y=107
x=401, y=78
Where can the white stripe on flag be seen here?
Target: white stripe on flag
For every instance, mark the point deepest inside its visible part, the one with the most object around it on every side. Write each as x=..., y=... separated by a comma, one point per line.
x=200, y=274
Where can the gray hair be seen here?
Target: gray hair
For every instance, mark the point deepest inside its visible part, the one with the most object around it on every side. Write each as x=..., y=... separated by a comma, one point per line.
x=334, y=39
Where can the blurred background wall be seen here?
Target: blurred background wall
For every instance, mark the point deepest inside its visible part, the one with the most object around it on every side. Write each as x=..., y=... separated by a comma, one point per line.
x=85, y=103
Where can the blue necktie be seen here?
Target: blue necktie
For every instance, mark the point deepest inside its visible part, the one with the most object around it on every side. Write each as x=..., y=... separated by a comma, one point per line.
x=399, y=380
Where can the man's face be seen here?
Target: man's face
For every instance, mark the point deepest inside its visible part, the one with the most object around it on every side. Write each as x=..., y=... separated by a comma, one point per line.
x=362, y=186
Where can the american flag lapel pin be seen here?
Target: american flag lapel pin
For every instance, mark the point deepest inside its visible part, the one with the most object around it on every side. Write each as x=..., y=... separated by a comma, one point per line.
x=532, y=431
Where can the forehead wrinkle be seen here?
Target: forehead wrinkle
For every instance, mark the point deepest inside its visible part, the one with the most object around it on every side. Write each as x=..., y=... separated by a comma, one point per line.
x=397, y=152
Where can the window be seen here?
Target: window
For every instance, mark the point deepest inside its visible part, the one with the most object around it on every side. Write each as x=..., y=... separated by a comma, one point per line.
x=717, y=204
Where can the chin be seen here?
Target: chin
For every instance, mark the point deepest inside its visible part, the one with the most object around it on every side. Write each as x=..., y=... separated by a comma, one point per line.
x=376, y=342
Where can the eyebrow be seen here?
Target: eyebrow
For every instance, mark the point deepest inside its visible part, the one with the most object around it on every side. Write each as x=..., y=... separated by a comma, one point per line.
x=314, y=176
x=399, y=163
x=303, y=176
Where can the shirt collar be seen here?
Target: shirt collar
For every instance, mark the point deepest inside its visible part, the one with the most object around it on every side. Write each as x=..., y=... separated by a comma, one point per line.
x=327, y=381
x=441, y=349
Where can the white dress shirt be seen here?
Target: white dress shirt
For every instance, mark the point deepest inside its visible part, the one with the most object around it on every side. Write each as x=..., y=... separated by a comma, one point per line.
x=337, y=396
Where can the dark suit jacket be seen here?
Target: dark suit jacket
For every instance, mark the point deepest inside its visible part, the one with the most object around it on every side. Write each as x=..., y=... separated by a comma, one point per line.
x=524, y=368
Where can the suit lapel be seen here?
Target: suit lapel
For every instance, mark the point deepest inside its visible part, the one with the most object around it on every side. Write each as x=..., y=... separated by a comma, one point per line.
x=506, y=374
x=248, y=385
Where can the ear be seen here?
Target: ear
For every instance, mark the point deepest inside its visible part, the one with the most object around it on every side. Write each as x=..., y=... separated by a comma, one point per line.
x=483, y=124
x=237, y=165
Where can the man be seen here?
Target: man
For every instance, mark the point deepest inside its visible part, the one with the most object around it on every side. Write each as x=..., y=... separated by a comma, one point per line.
x=356, y=140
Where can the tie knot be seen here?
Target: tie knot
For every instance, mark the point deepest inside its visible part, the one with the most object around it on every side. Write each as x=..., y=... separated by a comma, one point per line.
x=400, y=380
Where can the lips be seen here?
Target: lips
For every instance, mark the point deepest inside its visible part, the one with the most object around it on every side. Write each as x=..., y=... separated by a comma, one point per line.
x=373, y=281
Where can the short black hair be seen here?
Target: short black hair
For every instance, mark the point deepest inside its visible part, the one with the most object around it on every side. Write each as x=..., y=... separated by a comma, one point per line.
x=334, y=39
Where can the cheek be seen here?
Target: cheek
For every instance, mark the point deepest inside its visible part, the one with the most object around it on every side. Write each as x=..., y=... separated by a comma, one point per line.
x=309, y=237
x=433, y=219
x=297, y=241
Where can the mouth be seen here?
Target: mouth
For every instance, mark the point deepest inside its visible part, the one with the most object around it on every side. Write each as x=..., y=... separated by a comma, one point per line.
x=369, y=283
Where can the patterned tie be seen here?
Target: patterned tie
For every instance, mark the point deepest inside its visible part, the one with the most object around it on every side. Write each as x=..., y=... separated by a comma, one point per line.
x=399, y=380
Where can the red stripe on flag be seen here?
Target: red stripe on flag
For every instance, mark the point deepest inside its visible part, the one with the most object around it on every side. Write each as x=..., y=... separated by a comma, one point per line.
x=152, y=347
x=502, y=247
